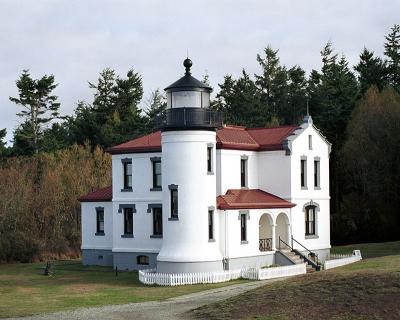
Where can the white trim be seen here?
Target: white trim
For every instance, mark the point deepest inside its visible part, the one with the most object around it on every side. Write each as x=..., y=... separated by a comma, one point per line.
x=135, y=250
x=89, y=247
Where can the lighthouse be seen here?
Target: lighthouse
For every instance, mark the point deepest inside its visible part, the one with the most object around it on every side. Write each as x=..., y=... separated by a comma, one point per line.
x=188, y=140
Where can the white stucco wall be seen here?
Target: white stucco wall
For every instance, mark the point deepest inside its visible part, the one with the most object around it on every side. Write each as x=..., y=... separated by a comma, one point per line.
x=142, y=177
x=142, y=229
x=89, y=225
x=274, y=176
x=228, y=175
x=232, y=247
x=185, y=165
x=320, y=196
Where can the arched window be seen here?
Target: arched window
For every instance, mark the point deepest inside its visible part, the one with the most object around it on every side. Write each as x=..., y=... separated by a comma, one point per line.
x=144, y=260
x=310, y=220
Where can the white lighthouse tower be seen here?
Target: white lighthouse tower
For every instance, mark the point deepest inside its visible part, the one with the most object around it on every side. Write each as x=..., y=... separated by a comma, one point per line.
x=188, y=139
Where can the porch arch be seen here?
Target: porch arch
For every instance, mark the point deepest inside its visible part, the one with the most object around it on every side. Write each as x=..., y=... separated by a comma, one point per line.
x=282, y=230
x=266, y=230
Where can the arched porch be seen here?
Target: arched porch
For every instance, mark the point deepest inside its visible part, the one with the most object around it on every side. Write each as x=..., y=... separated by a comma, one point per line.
x=266, y=233
x=282, y=230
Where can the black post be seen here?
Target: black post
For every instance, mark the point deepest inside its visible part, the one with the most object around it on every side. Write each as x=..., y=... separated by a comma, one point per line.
x=116, y=271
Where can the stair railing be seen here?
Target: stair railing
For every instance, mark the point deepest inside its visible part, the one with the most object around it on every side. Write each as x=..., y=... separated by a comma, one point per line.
x=281, y=241
x=310, y=253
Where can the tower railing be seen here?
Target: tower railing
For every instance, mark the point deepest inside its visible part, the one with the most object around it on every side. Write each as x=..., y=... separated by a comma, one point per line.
x=190, y=117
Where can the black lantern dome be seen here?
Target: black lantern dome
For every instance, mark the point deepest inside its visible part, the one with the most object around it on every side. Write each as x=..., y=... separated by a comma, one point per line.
x=188, y=102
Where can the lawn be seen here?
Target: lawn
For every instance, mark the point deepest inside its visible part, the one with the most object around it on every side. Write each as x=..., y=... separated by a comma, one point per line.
x=371, y=250
x=369, y=289
x=24, y=290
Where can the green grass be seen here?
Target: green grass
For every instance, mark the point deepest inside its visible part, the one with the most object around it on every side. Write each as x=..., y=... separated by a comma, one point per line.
x=24, y=290
x=369, y=289
x=371, y=250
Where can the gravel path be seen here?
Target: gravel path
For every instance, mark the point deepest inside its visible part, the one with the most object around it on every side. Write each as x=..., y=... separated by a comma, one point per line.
x=168, y=309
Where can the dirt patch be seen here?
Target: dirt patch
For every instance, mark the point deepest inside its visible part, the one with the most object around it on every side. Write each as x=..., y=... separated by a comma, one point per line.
x=27, y=290
x=84, y=288
x=365, y=295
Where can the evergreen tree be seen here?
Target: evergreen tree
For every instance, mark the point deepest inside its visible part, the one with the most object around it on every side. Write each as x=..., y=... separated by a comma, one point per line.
x=3, y=148
x=297, y=96
x=40, y=106
x=392, y=52
x=371, y=167
x=240, y=101
x=371, y=71
x=272, y=84
x=156, y=104
x=114, y=116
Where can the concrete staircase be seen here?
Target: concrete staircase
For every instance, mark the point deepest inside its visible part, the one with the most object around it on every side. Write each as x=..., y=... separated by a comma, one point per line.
x=296, y=259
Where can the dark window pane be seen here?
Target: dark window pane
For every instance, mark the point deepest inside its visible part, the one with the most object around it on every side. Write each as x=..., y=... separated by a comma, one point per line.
x=174, y=203
x=127, y=175
x=100, y=221
x=143, y=260
x=157, y=221
x=128, y=221
x=157, y=174
x=243, y=165
x=209, y=159
x=303, y=170
x=243, y=227
x=210, y=224
x=310, y=220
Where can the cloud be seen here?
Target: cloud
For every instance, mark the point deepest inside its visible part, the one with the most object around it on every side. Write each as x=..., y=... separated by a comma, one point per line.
x=74, y=40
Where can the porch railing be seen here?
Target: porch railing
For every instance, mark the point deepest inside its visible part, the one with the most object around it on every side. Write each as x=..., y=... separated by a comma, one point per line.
x=265, y=244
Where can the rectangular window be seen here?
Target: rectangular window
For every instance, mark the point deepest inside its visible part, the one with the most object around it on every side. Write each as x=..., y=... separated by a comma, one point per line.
x=127, y=174
x=243, y=173
x=128, y=221
x=310, y=221
x=310, y=142
x=316, y=174
x=157, y=222
x=243, y=227
x=100, y=221
x=156, y=174
x=143, y=260
x=303, y=174
x=209, y=159
x=210, y=224
x=174, y=203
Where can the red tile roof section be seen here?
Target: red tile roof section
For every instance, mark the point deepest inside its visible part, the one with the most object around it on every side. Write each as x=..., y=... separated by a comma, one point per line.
x=228, y=137
x=235, y=137
x=250, y=199
x=271, y=138
x=99, y=195
x=147, y=143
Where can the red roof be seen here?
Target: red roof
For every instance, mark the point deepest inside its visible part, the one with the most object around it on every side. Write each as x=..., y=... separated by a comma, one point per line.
x=99, y=195
x=228, y=137
x=147, y=143
x=250, y=199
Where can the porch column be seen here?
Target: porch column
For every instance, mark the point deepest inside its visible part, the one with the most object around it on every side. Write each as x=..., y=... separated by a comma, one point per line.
x=289, y=239
x=273, y=244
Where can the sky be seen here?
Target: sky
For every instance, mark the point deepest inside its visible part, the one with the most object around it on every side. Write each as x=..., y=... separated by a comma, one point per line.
x=75, y=40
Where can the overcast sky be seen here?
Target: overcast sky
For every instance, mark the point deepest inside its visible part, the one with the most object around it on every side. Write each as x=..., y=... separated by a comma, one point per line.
x=74, y=40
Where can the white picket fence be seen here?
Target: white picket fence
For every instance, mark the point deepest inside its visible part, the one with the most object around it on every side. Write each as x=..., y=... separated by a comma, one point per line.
x=338, y=260
x=151, y=277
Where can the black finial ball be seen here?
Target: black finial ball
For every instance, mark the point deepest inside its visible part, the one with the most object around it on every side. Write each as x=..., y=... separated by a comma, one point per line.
x=187, y=63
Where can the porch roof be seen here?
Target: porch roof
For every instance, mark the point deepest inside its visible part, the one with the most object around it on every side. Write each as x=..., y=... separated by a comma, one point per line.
x=99, y=195
x=250, y=199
